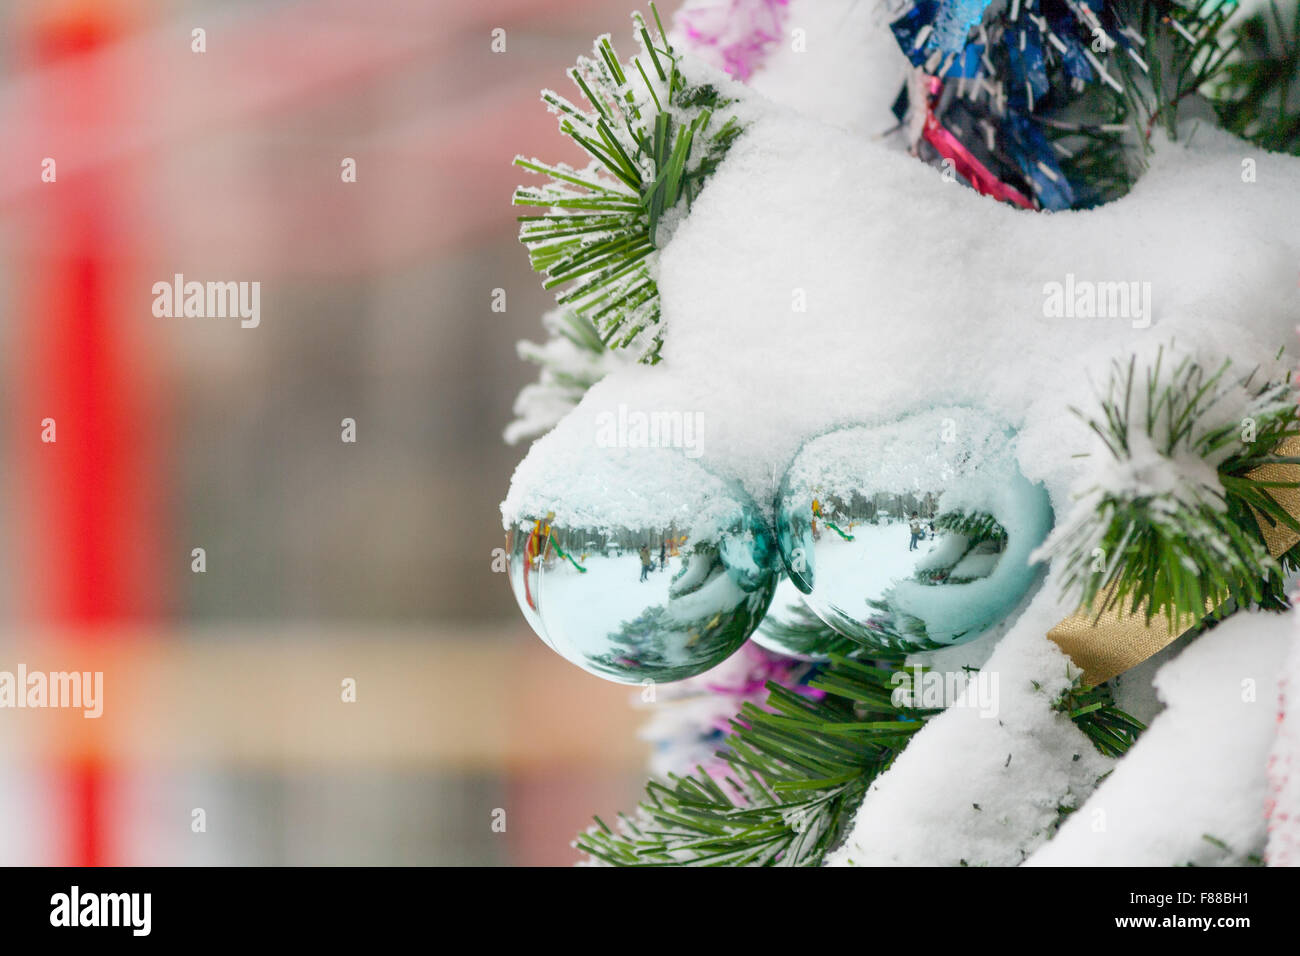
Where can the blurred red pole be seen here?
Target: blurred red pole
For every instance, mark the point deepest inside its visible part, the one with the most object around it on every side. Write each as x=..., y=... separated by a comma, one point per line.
x=91, y=521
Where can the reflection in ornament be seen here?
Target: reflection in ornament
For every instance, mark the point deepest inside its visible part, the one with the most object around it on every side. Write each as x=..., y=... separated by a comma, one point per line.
x=927, y=525
x=662, y=602
x=526, y=554
x=793, y=630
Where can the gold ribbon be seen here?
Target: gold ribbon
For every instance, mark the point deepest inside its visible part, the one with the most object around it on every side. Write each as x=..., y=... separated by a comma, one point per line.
x=1107, y=644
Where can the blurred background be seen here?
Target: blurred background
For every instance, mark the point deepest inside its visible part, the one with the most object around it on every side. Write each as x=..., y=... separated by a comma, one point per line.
x=126, y=157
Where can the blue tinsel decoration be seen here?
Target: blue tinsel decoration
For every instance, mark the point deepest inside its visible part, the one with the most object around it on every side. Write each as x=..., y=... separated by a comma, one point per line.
x=955, y=21
x=1033, y=154
x=1026, y=63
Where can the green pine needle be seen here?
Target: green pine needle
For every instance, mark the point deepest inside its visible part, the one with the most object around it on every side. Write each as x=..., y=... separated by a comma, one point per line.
x=1258, y=92
x=653, y=141
x=799, y=773
x=1094, y=712
x=1177, y=529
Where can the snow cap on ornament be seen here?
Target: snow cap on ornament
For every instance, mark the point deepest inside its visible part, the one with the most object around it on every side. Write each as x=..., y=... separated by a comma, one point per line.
x=637, y=564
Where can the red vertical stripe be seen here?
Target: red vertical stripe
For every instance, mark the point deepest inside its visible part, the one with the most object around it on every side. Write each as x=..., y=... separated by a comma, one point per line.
x=91, y=521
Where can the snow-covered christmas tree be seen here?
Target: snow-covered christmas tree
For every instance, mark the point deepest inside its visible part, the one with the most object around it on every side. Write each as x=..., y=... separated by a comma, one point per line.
x=917, y=428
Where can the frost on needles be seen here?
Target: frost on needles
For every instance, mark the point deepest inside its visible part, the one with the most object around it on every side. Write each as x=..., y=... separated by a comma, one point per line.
x=1170, y=521
x=654, y=137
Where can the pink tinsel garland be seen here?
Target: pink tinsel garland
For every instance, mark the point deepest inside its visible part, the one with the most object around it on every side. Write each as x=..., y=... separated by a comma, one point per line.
x=688, y=715
x=733, y=35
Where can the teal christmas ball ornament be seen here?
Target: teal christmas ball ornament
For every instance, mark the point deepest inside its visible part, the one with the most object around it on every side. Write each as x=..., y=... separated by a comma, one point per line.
x=914, y=534
x=793, y=630
x=658, y=583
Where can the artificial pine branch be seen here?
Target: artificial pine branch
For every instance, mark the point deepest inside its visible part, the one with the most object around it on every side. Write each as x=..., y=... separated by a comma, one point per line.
x=577, y=330
x=1258, y=96
x=799, y=774
x=1094, y=712
x=653, y=139
x=572, y=360
x=1248, y=69
x=1172, y=528
x=1183, y=52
